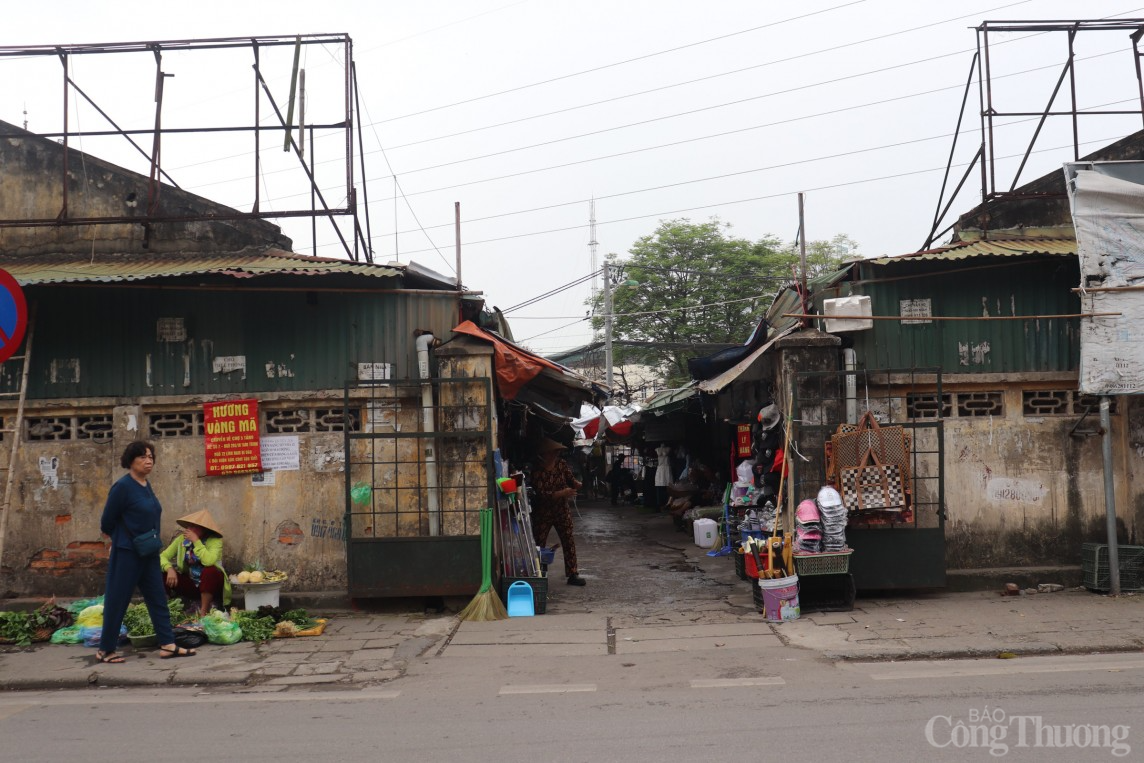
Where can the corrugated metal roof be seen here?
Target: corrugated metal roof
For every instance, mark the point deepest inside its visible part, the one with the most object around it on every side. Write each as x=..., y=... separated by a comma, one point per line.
x=45, y=269
x=666, y=401
x=963, y=250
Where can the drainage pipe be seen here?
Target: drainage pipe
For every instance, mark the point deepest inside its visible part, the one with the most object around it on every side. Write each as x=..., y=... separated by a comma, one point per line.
x=423, y=343
x=1109, y=498
x=850, y=357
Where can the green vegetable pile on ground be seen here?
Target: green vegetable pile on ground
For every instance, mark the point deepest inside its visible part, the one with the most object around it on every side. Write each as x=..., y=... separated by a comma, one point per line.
x=22, y=628
x=138, y=619
x=254, y=628
x=299, y=617
x=16, y=628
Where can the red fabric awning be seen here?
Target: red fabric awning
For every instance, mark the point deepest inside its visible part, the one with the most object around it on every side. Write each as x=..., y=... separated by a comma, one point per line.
x=514, y=366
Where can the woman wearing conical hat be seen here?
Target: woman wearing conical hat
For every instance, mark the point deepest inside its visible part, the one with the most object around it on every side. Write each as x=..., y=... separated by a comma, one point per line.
x=193, y=562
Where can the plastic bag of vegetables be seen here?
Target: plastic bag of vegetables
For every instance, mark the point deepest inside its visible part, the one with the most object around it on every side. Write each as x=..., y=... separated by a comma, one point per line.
x=220, y=630
x=90, y=617
x=92, y=634
x=68, y=635
x=79, y=605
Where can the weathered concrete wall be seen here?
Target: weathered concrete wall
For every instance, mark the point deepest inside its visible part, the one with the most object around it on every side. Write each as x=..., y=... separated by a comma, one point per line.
x=1019, y=490
x=296, y=524
x=32, y=182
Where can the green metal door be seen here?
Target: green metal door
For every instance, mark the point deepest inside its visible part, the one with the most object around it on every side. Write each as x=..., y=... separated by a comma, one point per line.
x=417, y=475
x=892, y=550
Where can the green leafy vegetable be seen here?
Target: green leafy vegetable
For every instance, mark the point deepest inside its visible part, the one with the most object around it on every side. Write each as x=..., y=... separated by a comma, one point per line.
x=17, y=628
x=254, y=628
x=137, y=620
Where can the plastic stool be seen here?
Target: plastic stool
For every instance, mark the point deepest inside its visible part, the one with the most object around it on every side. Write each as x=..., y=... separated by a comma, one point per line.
x=519, y=601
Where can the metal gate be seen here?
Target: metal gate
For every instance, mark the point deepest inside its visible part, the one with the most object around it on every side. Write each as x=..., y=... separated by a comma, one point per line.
x=891, y=554
x=418, y=470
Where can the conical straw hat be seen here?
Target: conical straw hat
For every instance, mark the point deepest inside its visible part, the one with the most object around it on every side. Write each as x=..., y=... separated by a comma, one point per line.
x=202, y=519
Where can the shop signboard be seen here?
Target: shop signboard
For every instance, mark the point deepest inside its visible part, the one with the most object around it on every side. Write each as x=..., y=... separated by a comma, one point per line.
x=743, y=440
x=231, y=438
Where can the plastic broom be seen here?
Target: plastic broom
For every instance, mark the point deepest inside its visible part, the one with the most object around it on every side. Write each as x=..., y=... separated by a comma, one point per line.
x=486, y=605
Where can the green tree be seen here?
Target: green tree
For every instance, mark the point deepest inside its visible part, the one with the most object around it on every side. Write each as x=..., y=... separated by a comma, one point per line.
x=699, y=286
x=824, y=257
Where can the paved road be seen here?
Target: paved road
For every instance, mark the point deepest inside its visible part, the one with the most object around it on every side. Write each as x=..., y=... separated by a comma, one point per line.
x=740, y=703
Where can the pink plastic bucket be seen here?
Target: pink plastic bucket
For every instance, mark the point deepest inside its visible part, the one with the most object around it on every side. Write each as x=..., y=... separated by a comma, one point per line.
x=780, y=599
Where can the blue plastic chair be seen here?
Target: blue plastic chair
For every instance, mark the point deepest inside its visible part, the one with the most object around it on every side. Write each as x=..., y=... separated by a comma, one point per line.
x=519, y=601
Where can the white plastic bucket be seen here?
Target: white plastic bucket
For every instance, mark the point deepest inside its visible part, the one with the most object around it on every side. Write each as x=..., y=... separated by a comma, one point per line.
x=780, y=599
x=262, y=595
x=705, y=532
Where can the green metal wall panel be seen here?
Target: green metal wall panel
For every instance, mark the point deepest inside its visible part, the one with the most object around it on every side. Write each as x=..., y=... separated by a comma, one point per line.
x=1034, y=286
x=100, y=342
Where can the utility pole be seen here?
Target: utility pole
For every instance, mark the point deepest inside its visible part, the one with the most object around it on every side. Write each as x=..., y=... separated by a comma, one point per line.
x=802, y=254
x=608, y=327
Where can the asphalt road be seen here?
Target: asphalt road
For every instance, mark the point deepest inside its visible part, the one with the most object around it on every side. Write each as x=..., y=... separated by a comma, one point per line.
x=738, y=704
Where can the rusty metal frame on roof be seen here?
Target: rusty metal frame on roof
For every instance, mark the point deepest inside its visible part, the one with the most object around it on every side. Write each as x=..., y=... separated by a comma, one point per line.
x=985, y=159
x=357, y=248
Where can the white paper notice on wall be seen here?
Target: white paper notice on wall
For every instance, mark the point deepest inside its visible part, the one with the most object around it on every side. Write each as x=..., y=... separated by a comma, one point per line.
x=263, y=479
x=1107, y=201
x=228, y=364
x=170, y=330
x=916, y=310
x=374, y=371
x=280, y=454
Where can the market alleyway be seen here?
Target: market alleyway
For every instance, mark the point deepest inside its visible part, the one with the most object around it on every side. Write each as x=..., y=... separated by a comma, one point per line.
x=650, y=590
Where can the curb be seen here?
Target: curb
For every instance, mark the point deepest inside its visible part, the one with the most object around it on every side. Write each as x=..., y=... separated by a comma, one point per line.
x=889, y=655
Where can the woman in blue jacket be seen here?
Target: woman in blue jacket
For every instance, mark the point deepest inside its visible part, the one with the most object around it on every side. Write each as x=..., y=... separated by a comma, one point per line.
x=133, y=510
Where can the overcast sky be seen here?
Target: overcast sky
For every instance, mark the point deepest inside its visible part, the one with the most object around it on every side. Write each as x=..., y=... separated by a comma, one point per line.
x=523, y=110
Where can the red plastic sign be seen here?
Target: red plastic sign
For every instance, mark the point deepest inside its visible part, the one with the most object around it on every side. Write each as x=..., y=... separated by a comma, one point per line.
x=13, y=315
x=231, y=437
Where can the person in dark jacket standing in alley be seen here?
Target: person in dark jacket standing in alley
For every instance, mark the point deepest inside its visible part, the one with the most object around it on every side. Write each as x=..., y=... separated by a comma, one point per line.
x=130, y=516
x=616, y=479
x=555, y=487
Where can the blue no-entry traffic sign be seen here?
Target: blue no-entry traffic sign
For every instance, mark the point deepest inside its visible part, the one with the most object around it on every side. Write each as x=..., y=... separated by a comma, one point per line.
x=13, y=315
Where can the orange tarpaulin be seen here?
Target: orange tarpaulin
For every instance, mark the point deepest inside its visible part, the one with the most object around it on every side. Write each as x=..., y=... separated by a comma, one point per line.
x=515, y=367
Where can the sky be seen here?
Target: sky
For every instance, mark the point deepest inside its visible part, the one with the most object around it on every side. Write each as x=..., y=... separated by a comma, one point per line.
x=523, y=111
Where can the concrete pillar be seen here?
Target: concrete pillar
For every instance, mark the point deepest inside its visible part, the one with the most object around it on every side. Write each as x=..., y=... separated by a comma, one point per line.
x=818, y=403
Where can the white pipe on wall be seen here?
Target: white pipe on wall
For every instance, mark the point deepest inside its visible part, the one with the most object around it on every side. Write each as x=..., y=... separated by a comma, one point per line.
x=851, y=360
x=423, y=343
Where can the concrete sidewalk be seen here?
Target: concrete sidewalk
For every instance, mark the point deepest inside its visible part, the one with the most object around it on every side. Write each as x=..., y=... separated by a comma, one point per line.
x=363, y=649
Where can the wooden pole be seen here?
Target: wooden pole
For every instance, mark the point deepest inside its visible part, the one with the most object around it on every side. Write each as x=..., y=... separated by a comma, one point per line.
x=802, y=251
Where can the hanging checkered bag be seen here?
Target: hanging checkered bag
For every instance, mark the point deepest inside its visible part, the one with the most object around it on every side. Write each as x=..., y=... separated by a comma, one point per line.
x=872, y=485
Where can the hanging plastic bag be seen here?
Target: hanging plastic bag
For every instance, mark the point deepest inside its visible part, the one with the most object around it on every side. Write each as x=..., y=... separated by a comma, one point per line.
x=90, y=617
x=220, y=630
x=68, y=635
x=360, y=493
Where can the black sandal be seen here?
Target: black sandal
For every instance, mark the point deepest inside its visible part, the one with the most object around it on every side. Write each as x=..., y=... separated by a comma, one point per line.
x=178, y=651
x=110, y=658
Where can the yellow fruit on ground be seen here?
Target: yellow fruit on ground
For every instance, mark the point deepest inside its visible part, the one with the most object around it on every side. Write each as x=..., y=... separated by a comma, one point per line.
x=242, y=577
x=256, y=577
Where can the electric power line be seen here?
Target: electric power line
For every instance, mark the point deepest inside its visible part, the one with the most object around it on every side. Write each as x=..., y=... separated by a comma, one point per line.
x=765, y=197
x=621, y=63
x=788, y=59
